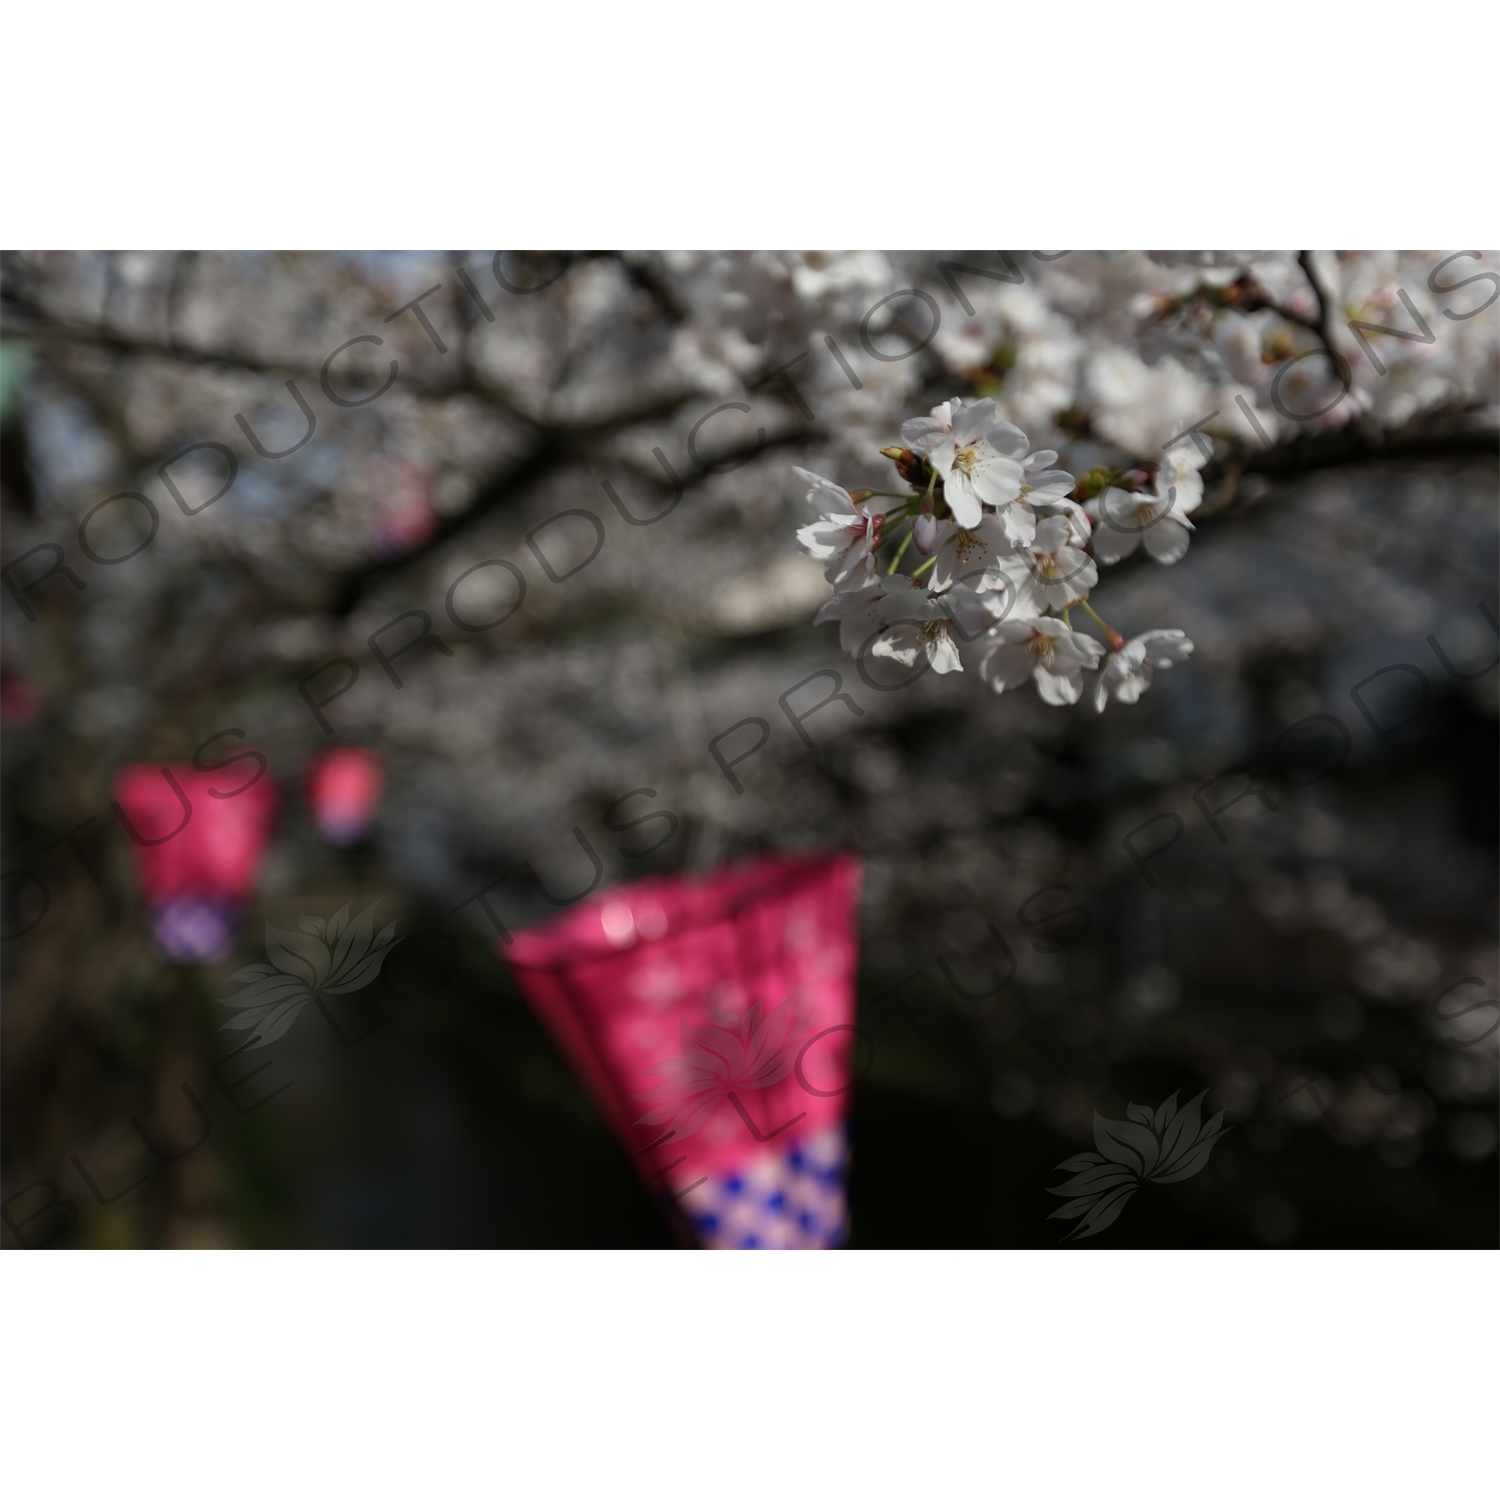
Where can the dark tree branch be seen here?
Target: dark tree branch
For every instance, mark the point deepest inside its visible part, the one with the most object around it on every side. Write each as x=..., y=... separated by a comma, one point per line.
x=500, y=490
x=642, y=407
x=552, y=452
x=35, y=323
x=1351, y=445
x=644, y=271
x=1434, y=443
x=1324, y=326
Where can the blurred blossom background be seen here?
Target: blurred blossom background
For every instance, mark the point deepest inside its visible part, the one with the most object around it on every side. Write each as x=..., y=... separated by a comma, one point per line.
x=1296, y=956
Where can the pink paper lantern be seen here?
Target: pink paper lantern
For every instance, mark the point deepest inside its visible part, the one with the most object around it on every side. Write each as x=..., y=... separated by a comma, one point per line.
x=196, y=853
x=713, y=1022
x=403, y=514
x=20, y=702
x=343, y=790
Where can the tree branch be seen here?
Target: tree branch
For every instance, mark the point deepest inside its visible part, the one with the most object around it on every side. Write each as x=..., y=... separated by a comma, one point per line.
x=1356, y=444
x=551, y=452
x=548, y=453
x=1323, y=327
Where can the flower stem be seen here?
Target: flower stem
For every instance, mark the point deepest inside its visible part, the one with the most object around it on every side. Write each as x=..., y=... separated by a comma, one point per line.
x=1116, y=640
x=918, y=572
x=896, y=560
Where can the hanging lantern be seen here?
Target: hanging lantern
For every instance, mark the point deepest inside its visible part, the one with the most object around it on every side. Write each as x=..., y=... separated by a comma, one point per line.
x=197, y=852
x=20, y=702
x=713, y=1022
x=343, y=790
x=403, y=516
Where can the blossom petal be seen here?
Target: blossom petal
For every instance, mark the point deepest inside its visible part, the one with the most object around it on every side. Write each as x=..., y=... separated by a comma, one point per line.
x=973, y=421
x=997, y=480
x=1167, y=541
x=1113, y=542
x=823, y=495
x=942, y=652
x=1059, y=687
x=1008, y=439
x=1008, y=666
x=962, y=501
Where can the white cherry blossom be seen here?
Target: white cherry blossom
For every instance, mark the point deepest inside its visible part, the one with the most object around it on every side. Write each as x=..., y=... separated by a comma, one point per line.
x=974, y=554
x=1052, y=572
x=1158, y=517
x=923, y=434
x=923, y=622
x=1042, y=482
x=847, y=533
x=1127, y=674
x=975, y=462
x=1045, y=649
x=1004, y=556
x=1197, y=350
x=1180, y=465
x=857, y=612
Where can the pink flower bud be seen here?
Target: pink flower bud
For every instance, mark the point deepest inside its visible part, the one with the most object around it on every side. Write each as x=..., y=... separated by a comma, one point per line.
x=924, y=535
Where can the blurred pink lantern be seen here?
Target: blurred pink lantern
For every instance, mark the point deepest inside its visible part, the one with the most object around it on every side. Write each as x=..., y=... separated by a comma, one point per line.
x=20, y=703
x=197, y=851
x=403, y=516
x=343, y=790
x=713, y=1021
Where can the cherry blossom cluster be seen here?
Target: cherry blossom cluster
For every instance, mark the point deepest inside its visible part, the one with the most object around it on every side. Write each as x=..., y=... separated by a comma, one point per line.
x=993, y=547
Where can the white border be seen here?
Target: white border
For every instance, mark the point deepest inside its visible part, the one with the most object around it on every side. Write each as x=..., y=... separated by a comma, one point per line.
x=299, y=123
x=783, y=123
x=901, y=1374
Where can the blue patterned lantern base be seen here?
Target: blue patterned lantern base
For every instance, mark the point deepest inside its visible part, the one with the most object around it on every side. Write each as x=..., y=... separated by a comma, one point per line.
x=783, y=1198
x=195, y=930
